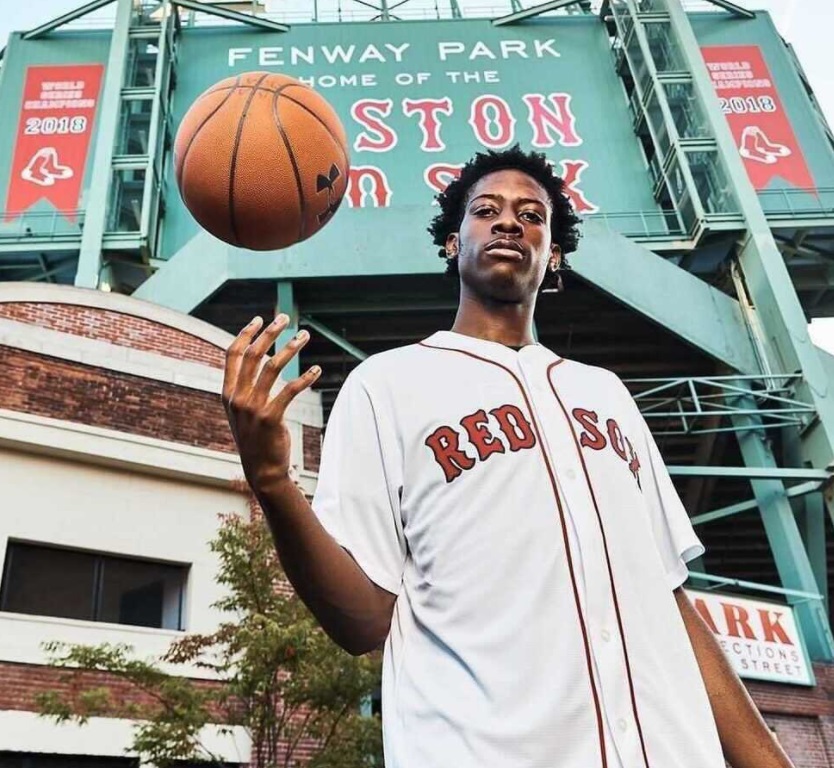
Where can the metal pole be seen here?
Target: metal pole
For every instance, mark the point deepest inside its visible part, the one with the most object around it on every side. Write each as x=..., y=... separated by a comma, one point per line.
x=98, y=201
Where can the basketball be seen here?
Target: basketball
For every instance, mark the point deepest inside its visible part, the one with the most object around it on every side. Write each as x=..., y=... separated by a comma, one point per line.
x=261, y=161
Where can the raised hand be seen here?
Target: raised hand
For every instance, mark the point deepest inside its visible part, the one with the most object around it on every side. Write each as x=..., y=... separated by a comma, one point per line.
x=257, y=418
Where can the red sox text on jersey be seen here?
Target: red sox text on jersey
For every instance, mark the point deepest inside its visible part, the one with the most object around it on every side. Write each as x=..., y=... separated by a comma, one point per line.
x=453, y=458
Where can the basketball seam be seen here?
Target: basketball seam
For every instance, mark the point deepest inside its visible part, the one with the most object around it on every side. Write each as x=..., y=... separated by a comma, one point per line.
x=288, y=146
x=240, y=124
x=200, y=128
x=318, y=119
x=280, y=91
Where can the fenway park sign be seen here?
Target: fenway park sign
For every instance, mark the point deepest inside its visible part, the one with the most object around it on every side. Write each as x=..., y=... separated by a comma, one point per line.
x=542, y=120
x=419, y=99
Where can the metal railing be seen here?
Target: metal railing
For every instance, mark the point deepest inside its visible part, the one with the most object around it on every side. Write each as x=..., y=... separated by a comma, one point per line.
x=799, y=202
x=640, y=224
x=357, y=10
x=684, y=404
x=22, y=225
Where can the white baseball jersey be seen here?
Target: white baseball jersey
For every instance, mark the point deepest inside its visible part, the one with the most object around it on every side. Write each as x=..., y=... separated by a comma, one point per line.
x=517, y=505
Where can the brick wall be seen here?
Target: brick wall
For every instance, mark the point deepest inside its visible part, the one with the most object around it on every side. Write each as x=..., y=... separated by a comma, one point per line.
x=61, y=389
x=802, y=718
x=803, y=739
x=311, y=446
x=117, y=328
x=21, y=683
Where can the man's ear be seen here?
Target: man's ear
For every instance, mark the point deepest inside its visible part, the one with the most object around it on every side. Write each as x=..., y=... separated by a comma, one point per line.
x=555, y=260
x=452, y=245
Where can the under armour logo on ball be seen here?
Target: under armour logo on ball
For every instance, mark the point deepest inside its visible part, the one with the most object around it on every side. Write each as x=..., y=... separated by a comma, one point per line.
x=325, y=184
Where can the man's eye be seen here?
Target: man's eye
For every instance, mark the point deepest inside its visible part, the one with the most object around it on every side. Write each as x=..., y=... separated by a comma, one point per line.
x=484, y=211
x=533, y=216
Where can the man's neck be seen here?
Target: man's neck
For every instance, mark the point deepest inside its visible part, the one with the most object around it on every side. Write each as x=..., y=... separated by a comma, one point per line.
x=509, y=324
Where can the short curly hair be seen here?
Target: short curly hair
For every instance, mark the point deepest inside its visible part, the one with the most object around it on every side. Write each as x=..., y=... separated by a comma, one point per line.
x=564, y=229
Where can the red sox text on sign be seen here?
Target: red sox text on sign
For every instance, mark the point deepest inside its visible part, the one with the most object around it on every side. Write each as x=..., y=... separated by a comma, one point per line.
x=493, y=122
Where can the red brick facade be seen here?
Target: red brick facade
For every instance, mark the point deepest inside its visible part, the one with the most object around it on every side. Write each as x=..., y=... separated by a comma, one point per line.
x=311, y=443
x=117, y=328
x=803, y=718
x=61, y=389
x=21, y=683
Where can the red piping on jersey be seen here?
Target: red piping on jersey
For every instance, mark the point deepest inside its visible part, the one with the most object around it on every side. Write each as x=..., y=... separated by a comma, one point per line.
x=607, y=562
x=550, y=474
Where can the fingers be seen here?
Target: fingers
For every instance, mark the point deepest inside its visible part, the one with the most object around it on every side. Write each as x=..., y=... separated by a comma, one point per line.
x=276, y=364
x=292, y=388
x=234, y=355
x=254, y=353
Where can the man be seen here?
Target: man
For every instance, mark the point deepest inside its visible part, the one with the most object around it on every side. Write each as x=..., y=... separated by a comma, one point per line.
x=501, y=519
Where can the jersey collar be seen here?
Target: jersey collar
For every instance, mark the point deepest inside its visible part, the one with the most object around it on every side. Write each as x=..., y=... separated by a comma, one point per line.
x=491, y=350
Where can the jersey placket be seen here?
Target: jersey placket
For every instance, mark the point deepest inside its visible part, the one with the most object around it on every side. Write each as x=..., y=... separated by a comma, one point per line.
x=590, y=561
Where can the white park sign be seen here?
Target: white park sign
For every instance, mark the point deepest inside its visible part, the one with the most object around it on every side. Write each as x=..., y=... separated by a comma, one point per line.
x=760, y=639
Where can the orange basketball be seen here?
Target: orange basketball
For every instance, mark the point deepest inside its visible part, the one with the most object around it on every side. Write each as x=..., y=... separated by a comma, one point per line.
x=261, y=161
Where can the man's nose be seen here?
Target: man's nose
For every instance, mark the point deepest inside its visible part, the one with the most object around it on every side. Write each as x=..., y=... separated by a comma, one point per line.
x=506, y=222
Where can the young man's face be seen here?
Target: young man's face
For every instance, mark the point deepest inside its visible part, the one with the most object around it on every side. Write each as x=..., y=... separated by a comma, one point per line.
x=503, y=247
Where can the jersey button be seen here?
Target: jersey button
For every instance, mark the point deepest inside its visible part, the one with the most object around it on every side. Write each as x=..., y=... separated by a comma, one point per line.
x=606, y=635
x=571, y=474
x=622, y=724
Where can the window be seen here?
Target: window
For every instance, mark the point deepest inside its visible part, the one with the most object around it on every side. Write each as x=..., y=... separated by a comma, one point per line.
x=30, y=760
x=37, y=760
x=73, y=584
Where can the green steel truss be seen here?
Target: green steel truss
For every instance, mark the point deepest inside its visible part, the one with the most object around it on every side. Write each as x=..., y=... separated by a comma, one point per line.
x=690, y=405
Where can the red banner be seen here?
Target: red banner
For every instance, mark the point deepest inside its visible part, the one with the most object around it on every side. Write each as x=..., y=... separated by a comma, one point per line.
x=757, y=119
x=53, y=136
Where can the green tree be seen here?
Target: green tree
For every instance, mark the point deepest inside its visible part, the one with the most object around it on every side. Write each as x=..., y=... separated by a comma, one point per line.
x=283, y=679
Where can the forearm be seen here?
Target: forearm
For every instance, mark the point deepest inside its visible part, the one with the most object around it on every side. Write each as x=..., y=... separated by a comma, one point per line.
x=355, y=612
x=745, y=738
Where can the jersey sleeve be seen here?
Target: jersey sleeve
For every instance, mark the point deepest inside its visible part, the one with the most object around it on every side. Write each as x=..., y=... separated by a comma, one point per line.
x=358, y=490
x=674, y=536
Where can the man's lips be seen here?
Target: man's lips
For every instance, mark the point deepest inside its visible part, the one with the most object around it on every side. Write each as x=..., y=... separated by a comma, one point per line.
x=505, y=247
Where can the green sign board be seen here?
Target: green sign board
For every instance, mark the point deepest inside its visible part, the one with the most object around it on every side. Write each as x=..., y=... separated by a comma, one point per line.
x=419, y=98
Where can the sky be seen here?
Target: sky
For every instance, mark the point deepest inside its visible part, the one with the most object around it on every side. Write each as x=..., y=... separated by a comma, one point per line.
x=803, y=23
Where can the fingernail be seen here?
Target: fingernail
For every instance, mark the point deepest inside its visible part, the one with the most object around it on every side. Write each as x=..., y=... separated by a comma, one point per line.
x=282, y=318
x=301, y=336
x=315, y=370
x=255, y=320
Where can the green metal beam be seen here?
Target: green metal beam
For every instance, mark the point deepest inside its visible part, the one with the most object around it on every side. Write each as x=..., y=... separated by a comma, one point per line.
x=736, y=10
x=161, y=92
x=225, y=13
x=286, y=303
x=77, y=13
x=526, y=13
x=760, y=472
x=783, y=534
x=723, y=581
x=744, y=506
x=811, y=520
x=370, y=306
x=98, y=203
x=331, y=335
x=657, y=289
